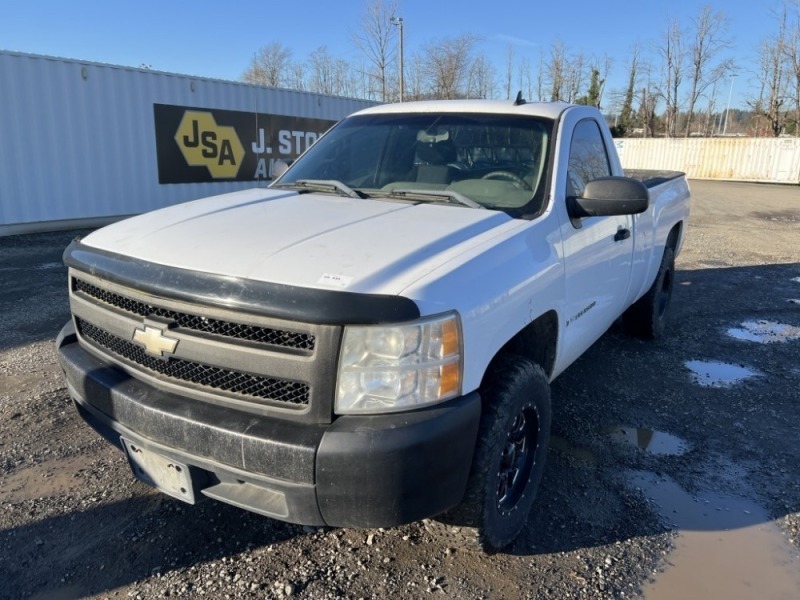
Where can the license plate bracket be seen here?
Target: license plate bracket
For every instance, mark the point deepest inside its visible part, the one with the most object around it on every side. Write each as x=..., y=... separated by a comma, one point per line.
x=163, y=473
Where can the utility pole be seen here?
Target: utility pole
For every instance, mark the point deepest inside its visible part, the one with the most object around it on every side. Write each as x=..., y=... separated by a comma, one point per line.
x=398, y=22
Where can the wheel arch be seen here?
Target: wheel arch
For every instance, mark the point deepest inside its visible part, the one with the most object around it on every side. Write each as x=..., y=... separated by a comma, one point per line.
x=675, y=237
x=537, y=341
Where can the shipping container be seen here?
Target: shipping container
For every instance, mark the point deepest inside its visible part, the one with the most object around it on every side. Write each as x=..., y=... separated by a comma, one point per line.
x=83, y=143
x=768, y=160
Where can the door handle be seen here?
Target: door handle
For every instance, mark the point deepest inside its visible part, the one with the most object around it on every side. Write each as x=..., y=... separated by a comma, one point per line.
x=622, y=234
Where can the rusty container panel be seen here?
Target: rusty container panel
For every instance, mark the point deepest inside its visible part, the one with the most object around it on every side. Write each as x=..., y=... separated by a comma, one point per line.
x=772, y=160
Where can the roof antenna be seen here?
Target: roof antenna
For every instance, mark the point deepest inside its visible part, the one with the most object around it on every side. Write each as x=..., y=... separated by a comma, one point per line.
x=520, y=100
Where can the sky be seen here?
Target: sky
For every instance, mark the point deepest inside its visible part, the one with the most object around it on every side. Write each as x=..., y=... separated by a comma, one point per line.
x=218, y=39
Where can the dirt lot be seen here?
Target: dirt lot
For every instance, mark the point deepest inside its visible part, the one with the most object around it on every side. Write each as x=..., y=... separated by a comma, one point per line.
x=674, y=472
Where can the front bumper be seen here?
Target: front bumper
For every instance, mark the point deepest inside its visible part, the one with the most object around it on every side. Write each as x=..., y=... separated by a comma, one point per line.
x=359, y=471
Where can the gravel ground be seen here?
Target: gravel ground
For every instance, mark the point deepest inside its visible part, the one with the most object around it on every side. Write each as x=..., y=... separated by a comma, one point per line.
x=74, y=522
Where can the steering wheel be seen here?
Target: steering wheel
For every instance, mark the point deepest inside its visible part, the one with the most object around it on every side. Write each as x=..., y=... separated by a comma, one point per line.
x=508, y=176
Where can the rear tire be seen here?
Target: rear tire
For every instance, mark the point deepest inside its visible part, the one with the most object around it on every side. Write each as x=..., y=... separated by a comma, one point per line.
x=510, y=453
x=646, y=318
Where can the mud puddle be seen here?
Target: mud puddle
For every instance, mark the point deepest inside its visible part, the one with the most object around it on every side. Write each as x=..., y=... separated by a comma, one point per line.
x=49, y=478
x=727, y=547
x=778, y=217
x=649, y=440
x=765, y=332
x=710, y=373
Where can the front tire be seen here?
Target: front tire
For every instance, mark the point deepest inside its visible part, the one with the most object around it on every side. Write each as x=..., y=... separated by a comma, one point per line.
x=510, y=453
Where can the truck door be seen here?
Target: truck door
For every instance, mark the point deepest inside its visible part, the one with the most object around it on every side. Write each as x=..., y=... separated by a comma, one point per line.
x=598, y=251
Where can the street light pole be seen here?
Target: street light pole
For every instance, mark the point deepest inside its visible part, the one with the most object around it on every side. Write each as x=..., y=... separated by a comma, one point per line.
x=398, y=22
x=728, y=109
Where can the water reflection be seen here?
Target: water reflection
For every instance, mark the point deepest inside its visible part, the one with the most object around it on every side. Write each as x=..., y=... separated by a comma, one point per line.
x=727, y=547
x=650, y=440
x=718, y=374
x=765, y=332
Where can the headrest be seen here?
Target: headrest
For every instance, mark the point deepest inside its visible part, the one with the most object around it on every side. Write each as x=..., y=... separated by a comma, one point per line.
x=435, y=147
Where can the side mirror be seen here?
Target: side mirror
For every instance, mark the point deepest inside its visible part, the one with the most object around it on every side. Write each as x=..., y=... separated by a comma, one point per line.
x=610, y=196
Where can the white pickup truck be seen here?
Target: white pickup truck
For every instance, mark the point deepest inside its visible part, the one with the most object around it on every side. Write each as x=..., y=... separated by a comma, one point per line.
x=370, y=340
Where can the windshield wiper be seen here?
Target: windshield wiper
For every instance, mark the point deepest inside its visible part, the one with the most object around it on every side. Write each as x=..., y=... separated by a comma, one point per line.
x=323, y=185
x=435, y=195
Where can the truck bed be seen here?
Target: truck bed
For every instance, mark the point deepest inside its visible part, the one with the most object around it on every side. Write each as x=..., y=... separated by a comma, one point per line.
x=651, y=178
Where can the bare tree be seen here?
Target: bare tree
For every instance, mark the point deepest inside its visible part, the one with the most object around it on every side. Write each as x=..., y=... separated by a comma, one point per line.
x=446, y=65
x=271, y=66
x=509, y=69
x=297, y=77
x=709, y=127
x=527, y=80
x=710, y=39
x=576, y=74
x=361, y=80
x=791, y=51
x=540, y=78
x=772, y=80
x=481, y=78
x=376, y=39
x=328, y=74
x=673, y=59
x=556, y=69
x=647, y=111
x=648, y=101
x=414, y=80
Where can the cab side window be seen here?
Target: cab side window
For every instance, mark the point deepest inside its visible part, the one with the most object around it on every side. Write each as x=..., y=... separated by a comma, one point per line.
x=588, y=158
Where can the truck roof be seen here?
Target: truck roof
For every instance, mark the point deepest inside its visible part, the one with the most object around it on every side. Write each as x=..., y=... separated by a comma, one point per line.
x=550, y=110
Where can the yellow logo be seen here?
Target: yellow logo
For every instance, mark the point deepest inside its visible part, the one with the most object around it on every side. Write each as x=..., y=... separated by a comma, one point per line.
x=203, y=143
x=154, y=341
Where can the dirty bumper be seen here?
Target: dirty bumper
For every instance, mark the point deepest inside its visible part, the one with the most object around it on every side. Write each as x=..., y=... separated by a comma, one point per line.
x=359, y=471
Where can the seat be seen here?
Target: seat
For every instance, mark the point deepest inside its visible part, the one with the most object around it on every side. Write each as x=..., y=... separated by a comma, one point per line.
x=434, y=153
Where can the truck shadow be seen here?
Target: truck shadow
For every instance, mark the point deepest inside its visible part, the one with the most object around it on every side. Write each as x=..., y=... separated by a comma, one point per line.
x=624, y=396
x=93, y=551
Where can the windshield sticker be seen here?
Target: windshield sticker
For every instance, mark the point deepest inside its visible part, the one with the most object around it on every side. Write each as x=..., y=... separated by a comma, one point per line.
x=340, y=281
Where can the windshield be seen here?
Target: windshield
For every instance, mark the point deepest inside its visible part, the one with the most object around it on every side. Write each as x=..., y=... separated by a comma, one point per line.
x=494, y=161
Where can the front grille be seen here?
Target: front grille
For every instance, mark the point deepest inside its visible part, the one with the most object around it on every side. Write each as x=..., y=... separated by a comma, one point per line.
x=227, y=329
x=234, y=383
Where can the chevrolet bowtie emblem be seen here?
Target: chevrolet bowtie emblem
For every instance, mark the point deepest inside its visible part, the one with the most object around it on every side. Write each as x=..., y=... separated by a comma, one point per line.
x=154, y=341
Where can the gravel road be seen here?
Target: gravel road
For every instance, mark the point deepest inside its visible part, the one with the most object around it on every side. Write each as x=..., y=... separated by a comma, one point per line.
x=653, y=443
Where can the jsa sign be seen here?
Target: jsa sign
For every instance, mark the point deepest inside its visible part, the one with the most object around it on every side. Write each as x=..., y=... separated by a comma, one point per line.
x=196, y=145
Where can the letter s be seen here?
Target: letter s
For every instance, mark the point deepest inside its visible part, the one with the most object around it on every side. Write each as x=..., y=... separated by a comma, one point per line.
x=208, y=139
x=284, y=140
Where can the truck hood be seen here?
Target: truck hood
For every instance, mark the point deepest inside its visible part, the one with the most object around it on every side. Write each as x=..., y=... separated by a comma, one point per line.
x=308, y=240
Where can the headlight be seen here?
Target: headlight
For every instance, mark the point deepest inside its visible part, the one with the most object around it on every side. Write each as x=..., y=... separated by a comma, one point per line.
x=398, y=367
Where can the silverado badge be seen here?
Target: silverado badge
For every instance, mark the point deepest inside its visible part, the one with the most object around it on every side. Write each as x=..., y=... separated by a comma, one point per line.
x=154, y=341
